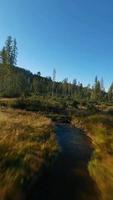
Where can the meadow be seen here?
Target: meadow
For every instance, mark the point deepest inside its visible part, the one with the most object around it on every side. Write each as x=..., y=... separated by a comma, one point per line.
x=27, y=146
x=99, y=128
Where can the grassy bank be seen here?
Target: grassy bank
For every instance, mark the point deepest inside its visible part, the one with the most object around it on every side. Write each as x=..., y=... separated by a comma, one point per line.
x=100, y=130
x=27, y=146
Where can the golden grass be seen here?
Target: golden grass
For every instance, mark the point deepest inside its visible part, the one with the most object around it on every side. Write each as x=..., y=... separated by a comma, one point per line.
x=100, y=130
x=27, y=143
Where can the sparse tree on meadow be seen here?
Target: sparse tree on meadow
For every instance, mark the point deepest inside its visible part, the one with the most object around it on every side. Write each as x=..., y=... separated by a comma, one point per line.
x=110, y=93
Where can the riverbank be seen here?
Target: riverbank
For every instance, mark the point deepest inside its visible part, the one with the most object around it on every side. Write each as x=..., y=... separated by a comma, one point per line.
x=28, y=146
x=100, y=129
x=69, y=178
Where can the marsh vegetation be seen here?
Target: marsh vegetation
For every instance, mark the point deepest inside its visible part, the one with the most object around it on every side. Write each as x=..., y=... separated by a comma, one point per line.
x=27, y=146
x=100, y=129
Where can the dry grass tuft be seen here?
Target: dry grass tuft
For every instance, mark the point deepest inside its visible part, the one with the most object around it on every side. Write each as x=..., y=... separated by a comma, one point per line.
x=27, y=143
x=100, y=130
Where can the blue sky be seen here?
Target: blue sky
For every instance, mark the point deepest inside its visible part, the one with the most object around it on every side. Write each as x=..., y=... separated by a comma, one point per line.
x=73, y=36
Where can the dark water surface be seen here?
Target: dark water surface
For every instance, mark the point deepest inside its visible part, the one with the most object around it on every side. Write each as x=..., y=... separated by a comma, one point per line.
x=69, y=178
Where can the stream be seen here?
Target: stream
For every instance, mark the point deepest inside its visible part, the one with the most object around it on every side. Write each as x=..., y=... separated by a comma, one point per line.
x=69, y=178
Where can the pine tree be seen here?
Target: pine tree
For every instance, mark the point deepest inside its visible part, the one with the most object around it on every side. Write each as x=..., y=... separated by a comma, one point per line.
x=9, y=52
x=110, y=93
x=3, y=56
x=96, y=90
x=14, y=53
x=9, y=49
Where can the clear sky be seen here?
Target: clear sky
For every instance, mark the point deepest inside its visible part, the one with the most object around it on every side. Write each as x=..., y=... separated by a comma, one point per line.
x=73, y=36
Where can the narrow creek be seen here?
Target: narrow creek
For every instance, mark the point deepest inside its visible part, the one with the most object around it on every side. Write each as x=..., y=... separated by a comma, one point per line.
x=69, y=178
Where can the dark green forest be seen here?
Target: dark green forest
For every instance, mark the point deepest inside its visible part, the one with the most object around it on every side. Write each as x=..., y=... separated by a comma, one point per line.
x=18, y=82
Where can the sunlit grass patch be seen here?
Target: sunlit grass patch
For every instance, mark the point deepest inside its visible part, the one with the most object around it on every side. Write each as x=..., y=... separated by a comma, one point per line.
x=27, y=144
x=102, y=172
x=100, y=129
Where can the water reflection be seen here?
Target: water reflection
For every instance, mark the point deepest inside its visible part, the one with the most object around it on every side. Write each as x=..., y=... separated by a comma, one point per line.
x=69, y=179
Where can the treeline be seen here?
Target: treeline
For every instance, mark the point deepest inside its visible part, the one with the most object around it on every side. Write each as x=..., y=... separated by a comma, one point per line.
x=17, y=82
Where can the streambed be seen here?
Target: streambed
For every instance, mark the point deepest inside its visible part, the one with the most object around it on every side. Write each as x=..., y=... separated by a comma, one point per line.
x=69, y=178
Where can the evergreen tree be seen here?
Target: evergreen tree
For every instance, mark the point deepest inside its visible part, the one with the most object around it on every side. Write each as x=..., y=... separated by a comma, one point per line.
x=9, y=52
x=14, y=53
x=9, y=49
x=65, y=86
x=96, y=90
x=110, y=93
x=3, y=56
x=38, y=73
